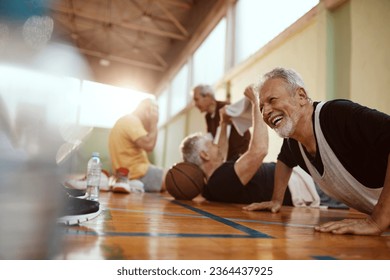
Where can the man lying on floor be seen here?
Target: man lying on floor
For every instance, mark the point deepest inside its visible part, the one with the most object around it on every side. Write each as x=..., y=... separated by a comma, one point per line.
x=248, y=179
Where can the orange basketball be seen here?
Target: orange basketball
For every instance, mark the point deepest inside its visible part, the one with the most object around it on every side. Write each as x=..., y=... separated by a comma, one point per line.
x=184, y=181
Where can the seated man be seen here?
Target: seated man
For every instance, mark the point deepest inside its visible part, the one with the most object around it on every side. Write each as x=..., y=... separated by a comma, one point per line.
x=248, y=179
x=131, y=138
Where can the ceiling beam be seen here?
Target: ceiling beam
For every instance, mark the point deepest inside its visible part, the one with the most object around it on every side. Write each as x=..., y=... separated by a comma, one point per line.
x=153, y=31
x=131, y=26
x=178, y=59
x=178, y=3
x=123, y=60
x=158, y=57
x=173, y=19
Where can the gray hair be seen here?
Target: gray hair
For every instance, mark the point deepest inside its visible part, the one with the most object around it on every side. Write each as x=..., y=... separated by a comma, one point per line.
x=204, y=90
x=192, y=145
x=290, y=76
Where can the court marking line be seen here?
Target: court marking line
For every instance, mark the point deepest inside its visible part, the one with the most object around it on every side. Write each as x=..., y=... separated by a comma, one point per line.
x=156, y=212
x=156, y=234
x=254, y=234
x=242, y=228
x=387, y=233
x=203, y=217
x=249, y=232
x=324, y=258
x=185, y=235
x=273, y=223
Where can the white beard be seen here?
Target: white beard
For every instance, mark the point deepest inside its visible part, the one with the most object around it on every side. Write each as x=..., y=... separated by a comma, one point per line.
x=288, y=128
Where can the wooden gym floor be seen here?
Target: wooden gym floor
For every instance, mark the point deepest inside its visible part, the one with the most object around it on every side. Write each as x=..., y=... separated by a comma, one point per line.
x=153, y=226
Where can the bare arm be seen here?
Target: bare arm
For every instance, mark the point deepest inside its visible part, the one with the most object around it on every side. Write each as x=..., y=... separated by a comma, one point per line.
x=282, y=176
x=375, y=224
x=148, y=141
x=223, y=142
x=247, y=165
x=381, y=213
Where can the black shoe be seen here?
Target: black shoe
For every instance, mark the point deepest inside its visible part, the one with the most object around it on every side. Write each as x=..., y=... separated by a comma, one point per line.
x=78, y=210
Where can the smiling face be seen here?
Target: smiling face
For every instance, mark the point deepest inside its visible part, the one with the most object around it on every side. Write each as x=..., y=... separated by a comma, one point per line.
x=280, y=106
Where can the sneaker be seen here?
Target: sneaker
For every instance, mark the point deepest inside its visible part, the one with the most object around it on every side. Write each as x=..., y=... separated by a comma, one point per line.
x=121, y=184
x=78, y=210
x=132, y=186
x=81, y=184
x=136, y=186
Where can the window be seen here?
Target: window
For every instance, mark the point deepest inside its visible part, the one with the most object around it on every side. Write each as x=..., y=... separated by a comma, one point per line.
x=55, y=94
x=162, y=102
x=101, y=105
x=209, y=59
x=179, y=91
x=259, y=21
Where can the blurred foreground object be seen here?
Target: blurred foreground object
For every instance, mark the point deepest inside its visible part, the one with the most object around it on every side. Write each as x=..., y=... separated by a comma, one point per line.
x=36, y=100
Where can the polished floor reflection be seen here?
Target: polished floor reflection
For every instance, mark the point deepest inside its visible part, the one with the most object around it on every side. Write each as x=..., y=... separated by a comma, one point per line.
x=153, y=226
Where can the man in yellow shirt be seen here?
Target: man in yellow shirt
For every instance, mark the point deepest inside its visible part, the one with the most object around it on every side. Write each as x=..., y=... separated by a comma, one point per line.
x=132, y=137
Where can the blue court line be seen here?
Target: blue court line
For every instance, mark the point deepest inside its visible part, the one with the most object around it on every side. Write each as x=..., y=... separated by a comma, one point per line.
x=157, y=213
x=247, y=230
x=231, y=219
x=273, y=223
x=156, y=234
x=249, y=233
x=203, y=217
x=323, y=258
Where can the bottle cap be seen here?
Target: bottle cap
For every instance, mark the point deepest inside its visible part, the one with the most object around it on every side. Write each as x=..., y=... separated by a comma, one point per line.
x=95, y=154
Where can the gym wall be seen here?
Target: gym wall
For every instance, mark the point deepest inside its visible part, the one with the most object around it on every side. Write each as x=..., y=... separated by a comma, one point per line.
x=340, y=51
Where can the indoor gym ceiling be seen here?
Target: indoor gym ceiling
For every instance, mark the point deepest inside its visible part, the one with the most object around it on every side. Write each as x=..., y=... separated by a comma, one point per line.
x=135, y=43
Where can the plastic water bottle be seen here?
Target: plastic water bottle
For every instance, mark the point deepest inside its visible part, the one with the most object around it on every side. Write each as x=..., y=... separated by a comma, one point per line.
x=93, y=176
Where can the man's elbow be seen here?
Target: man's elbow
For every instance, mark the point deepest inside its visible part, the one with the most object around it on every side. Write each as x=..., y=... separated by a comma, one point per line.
x=149, y=148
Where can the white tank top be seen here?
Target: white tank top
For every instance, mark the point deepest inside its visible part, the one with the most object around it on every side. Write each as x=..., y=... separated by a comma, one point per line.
x=336, y=181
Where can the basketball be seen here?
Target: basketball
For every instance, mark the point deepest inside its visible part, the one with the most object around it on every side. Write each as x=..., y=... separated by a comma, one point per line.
x=184, y=181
